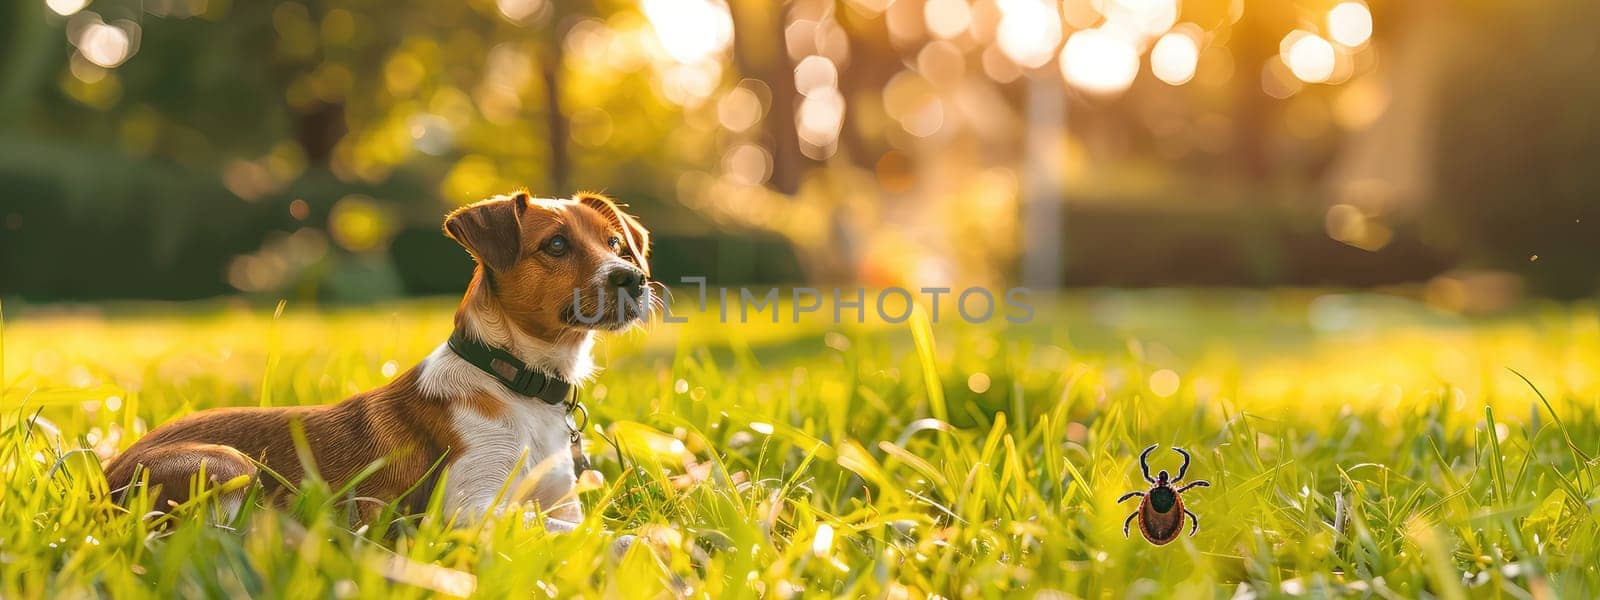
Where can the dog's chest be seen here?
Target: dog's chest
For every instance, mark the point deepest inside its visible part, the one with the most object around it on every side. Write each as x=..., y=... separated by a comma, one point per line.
x=525, y=443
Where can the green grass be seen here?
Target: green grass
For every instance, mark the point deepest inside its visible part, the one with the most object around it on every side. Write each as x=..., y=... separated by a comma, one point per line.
x=1356, y=445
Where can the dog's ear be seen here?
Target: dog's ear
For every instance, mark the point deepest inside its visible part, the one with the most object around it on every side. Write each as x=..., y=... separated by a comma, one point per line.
x=490, y=229
x=634, y=235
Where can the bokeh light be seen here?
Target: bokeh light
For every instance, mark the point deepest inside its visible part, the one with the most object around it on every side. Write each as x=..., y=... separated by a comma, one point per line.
x=947, y=18
x=1100, y=61
x=1142, y=17
x=1277, y=80
x=1310, y=58
x=104, y=45
x=1174, y=58
x=815, y=73
x=1350, y=24
x=1029, y=31
x=690, y=31
x=359, y=224
x=747, y=164
x=740, y=109
x=820, y=116
x=66, y=8
x=522, y=11
x=942, y=63
x=1164, y=383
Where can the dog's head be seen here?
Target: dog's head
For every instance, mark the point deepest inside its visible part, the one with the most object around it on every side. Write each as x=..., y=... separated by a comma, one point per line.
x=558, y=265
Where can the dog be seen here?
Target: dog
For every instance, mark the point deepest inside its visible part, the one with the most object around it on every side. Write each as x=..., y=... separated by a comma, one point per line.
x=487, y=407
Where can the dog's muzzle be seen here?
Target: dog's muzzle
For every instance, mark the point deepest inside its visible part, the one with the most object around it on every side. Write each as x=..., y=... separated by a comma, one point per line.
x=622, y=300
x=628, y=281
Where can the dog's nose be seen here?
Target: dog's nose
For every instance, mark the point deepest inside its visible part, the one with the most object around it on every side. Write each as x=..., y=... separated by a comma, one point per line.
x=628, y=278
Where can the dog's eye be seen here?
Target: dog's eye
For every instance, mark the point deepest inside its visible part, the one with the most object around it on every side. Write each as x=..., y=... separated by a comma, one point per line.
x=615, y=242
x=557, y=246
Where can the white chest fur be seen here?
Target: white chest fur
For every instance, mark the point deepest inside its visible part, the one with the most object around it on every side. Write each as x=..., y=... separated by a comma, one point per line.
x=523, y=448
x=526, y=445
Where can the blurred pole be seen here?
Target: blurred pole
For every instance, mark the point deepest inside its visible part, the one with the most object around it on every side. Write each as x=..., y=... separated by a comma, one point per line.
x=1043, y=216
x=552, y=56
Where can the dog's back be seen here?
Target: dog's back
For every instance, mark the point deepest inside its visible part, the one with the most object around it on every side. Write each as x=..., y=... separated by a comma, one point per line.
x=343, y=440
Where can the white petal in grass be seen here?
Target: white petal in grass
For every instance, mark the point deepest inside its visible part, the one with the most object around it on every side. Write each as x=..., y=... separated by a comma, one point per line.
x=822, y=544
x=761, y=428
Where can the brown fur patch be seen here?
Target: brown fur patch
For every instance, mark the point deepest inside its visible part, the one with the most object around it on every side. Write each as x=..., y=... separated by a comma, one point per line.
x=394, y=423
x=488, y=229
x=486, y=405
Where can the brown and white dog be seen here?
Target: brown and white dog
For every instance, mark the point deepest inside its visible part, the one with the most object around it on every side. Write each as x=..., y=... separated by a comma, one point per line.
x=545, y=270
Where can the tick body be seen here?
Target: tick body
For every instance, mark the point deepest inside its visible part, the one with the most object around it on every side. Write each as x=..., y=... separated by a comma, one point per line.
x=1161, y=510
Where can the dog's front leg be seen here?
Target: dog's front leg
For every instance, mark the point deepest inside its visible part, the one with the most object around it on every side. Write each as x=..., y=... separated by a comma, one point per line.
x=485, y=502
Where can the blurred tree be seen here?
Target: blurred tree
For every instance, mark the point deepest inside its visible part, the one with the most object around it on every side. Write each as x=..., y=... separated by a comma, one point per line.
x=1518, y=141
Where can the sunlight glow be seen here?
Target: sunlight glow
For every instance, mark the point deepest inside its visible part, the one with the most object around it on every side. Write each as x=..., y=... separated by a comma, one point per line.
x=1173, y=58
x=1029, y=31
x=690, y=31
x=1310, y=58
x=1350, y=23
x=1100, y=61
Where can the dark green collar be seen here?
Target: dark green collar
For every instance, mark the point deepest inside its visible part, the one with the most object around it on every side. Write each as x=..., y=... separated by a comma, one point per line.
x=510, y=370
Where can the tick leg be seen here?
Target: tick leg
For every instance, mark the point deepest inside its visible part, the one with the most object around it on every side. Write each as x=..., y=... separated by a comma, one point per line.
x=1195, y=483
x=1128, y=522
x=1196, y=527
x=1183, y=469
x=1144, y=463
x=1130, y=495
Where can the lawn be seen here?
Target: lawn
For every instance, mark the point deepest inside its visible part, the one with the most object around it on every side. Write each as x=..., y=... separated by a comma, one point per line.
x=1356, y=444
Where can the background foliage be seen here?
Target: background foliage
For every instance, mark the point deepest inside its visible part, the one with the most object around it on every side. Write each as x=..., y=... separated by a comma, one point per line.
x=307, y=149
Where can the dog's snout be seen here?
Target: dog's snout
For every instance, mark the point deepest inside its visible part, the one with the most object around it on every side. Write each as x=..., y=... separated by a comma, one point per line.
x=628, y=278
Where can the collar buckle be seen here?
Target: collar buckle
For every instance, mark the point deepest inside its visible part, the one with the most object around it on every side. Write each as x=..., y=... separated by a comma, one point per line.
x=530, y=382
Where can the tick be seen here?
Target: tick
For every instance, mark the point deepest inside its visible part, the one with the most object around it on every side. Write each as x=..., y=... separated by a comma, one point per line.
x=1161, y=512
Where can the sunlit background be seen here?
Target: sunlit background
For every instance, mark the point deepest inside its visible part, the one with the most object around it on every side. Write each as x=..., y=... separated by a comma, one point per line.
x=195, y=148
